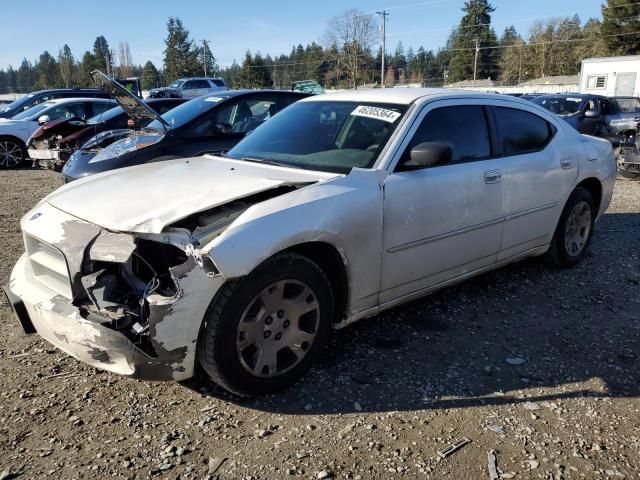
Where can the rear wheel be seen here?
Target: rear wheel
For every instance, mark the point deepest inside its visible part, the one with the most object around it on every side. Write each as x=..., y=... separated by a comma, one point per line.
x=574, y=231
x=12, y=153
x=262, y=333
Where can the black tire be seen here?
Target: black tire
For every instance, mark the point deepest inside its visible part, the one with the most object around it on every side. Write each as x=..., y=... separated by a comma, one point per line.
x=11, y=144
x=558, y=253
x=217, y=351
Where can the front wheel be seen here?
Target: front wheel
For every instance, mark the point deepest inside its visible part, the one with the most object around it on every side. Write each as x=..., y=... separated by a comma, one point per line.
x=12, y=153
x=261, y=334
x=574, y=231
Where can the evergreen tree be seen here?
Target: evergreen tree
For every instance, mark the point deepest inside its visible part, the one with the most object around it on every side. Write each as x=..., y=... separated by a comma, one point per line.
x=12, y=79
x=88, y=64
x=620, y=26
x=474, y=29
x=150, y=77
x=25, y=76
x=254, y=72
x=511, y=58
x=101, y=54
x=66, y=64
x=205, y=55
x=46, y=71
x=180, y=55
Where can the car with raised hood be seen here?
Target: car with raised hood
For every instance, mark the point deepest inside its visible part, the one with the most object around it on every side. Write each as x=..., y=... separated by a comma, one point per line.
x=213, y=123
x=15, y=132
x=52, y=144
x=190, y=88
x=25, y=102
x=340, y=207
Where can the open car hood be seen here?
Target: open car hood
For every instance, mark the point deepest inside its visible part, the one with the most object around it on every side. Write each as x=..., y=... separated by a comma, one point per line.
x=137, y=110
x=147, y=198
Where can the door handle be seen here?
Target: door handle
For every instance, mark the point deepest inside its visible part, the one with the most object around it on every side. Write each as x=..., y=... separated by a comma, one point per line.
x=566, y=163
x=492, y=176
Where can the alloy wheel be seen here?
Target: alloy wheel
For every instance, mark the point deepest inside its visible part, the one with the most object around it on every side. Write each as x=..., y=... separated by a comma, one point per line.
x=277, y=329
x=10, y=154
x=578, y=228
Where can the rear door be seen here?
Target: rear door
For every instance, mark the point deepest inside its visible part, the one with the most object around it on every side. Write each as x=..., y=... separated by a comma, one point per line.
x=539, y=171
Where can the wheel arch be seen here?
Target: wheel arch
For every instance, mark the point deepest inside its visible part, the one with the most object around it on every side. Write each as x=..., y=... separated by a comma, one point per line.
x=334, y=265
x=594, y=187
x=18, y=140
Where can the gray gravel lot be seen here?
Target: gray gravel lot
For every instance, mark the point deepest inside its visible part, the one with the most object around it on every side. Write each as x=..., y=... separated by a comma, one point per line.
x=388, y=394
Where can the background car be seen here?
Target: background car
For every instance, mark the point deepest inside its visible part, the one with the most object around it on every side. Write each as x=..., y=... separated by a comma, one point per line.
x=53, y=143
x=589, y=114
x=190, y=88
x=15, y=132
x=213, y=123
x=27, y=101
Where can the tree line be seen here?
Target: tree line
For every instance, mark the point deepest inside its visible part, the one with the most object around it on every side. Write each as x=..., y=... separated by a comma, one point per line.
x=347, y=55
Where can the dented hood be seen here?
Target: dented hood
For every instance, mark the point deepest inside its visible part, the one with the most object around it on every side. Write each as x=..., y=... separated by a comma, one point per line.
x=147, y=198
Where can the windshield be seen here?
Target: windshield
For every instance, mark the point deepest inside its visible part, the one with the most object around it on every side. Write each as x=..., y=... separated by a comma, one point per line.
x=106, y=116
x=560, y=105
x=16, y=104
x=326, y=136
x=629, y=105
x=176, y=84
x=183, y=114
x=31, y=111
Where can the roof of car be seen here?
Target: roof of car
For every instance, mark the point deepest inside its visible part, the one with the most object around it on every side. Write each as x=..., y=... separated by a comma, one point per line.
x=200, y=78
x=75, y=99
x=403, y=96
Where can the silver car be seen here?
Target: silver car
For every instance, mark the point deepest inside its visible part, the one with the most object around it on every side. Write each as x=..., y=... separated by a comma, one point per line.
x=190, y=88
x=340, y=207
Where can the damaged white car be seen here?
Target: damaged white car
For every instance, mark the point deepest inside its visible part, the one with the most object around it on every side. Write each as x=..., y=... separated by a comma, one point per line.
x=341, y=206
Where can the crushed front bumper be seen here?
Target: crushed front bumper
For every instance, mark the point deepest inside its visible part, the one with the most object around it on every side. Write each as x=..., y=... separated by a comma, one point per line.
x=41, y=154
x=175, y=328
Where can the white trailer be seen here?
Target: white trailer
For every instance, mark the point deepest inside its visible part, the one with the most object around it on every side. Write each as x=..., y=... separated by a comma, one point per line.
x=611, y=76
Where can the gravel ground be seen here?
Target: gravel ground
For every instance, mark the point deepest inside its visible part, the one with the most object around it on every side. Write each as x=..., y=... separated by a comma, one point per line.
x=388, y=394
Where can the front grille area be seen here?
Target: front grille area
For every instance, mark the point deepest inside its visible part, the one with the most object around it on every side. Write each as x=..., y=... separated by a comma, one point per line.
x=48, y=265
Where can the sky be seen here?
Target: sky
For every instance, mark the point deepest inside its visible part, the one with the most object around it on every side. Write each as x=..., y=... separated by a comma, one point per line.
x=272, y=27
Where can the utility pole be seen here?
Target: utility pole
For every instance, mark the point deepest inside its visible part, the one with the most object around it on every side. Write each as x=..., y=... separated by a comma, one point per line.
x=384, y=14
x=475, y=63
x=204, y=53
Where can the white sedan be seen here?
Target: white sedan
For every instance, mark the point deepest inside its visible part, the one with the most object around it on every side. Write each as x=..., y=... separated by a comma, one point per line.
x=15, y=131
x=338, y=208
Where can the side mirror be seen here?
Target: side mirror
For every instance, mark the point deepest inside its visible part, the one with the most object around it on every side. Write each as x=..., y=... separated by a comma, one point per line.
x=43, y=119
x=591, y=114
x=428, y=154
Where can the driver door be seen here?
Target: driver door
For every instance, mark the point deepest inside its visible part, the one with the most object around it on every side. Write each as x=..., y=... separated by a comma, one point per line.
x=446, y=221
x=590, y=125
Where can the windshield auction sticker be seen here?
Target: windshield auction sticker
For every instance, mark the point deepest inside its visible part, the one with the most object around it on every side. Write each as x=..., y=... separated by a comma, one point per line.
x=375, y=112
x=213, y=99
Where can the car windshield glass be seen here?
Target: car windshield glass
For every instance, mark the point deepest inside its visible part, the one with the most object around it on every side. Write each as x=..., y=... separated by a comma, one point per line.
x=106, y=116
x=629, y=105
x=32, y=111
x=16, y=104
x=176, y=84
x=331, y=136
x=560, y=105
x=182, y=114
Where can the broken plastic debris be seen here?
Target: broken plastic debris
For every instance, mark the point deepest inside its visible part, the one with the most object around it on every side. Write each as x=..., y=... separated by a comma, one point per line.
x=515, y=360
x=531, y=406
x=496, y=428
x=457, y=445
x=493, y=465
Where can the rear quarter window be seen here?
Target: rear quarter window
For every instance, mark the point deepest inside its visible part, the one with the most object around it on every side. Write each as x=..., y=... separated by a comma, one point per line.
x=522, y=132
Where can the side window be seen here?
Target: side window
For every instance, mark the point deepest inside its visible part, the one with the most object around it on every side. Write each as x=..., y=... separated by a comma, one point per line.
x=99, y=108
x=68, y=110
x=246, y=114
x=521, y=131
x=217, y=82
x=189, y=84
x=463, y=128
x=609, y=107
x=196, y=84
